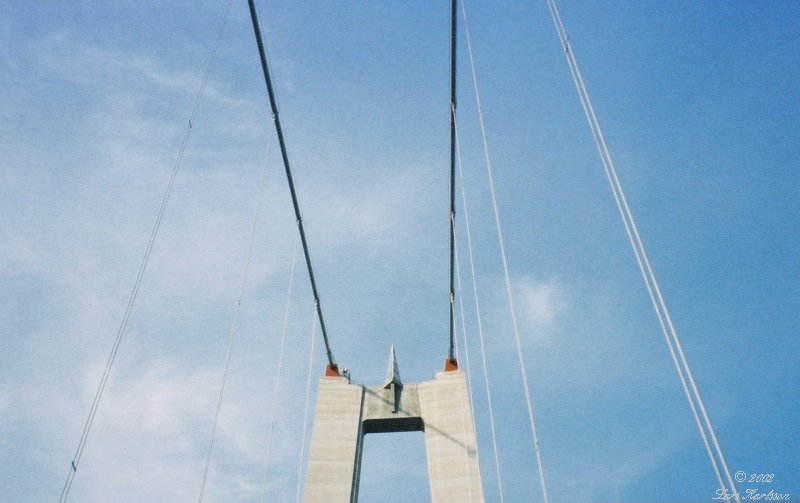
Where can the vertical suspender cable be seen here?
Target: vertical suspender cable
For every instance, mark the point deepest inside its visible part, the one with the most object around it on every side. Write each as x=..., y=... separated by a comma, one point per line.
x=506, y=275
x=453, y=7
x=285, y=155
x=305, y=413
x=235, y=325
x=478, y=319
x=466, y=368
x=278, y=374
x=659, y=305
x=76, y=459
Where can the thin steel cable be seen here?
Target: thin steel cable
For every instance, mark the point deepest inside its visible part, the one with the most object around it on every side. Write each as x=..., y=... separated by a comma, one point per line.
x=465, y=369
x=305, y=413
x=478, y=318
x=234, y=330
x=517, y=340
x=637, y=254
x=599, y=141
x=76, y=459
x=654, y=291
x=279, y=373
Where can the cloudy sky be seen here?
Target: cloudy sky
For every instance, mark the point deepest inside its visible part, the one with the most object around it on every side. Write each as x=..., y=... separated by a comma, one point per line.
x=700, y=105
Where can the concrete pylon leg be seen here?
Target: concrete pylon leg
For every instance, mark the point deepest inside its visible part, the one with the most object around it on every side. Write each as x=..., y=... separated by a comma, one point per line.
x=450, y=441
x=346, y=412
x=336, y=443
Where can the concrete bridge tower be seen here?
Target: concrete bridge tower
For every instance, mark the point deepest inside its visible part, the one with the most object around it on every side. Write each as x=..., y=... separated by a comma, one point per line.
x=346, y=412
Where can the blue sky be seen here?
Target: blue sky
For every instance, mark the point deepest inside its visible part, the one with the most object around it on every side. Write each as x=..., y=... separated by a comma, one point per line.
x=700, y=107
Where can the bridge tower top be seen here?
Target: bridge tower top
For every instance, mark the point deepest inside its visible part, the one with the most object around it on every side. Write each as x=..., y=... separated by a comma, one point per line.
x=346, y=412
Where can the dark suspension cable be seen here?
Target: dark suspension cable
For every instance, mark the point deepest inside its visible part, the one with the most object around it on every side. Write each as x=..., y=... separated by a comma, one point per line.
x=451, y=352
x=290, y=179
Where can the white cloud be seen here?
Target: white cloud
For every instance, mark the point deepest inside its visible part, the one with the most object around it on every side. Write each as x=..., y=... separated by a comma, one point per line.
x=377, y=215
x=77, y=219
x=78, y=62
x=152, y=431
x=541, y=304
x=161, y=401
